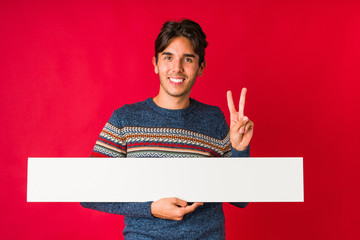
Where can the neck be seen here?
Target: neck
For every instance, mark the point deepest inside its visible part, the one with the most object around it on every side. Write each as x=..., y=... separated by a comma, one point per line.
x=173, y=103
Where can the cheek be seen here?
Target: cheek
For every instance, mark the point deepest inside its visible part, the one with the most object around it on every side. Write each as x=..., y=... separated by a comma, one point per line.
x=163, y=69
x=193, y=70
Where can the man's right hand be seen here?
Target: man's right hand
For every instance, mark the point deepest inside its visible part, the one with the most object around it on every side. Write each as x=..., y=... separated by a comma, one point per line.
x=172, y=208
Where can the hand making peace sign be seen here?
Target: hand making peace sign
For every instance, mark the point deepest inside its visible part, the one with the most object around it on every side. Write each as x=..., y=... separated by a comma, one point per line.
x=241, y=128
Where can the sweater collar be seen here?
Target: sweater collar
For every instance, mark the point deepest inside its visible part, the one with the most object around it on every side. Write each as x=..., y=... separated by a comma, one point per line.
x=171, y=112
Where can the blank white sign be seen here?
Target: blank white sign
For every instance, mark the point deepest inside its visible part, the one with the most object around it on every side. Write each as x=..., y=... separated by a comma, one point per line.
x=149, y=179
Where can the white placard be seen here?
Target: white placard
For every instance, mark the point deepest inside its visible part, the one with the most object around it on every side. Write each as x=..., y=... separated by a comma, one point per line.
x=149, y=179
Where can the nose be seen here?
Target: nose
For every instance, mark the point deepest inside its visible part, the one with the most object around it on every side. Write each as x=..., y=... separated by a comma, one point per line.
x=177, y=66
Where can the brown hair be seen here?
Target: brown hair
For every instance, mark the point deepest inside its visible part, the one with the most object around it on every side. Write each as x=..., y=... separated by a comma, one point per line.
x=186, y=28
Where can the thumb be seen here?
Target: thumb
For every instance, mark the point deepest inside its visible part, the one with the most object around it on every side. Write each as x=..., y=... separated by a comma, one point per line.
x=238, y=125
x=180, y=202
x=192, y=207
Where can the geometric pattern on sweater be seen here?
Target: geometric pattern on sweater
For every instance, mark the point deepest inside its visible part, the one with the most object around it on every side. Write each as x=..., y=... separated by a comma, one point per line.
x=158, y=142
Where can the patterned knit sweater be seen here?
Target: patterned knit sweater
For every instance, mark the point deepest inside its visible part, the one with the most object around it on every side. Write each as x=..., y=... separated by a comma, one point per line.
x=144, y=129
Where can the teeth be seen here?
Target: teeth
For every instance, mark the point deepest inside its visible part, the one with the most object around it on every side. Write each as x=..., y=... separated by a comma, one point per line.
x=177, y=80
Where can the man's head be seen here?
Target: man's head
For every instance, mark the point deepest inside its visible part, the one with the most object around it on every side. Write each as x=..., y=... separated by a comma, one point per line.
x=186, y=28
x=178, y=60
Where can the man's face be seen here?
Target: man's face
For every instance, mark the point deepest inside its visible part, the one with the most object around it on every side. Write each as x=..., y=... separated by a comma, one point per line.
x=178, y=67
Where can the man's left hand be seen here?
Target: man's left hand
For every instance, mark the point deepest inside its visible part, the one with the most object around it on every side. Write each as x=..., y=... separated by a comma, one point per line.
x=241, y=128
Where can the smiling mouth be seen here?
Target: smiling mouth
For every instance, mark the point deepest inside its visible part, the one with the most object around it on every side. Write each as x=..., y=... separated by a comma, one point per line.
x=176, y=80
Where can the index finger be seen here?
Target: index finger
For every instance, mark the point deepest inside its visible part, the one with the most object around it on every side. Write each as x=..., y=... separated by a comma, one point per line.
x=242, y=102
x=230, y=102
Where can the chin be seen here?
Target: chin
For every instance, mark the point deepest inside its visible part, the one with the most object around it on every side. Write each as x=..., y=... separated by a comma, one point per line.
x=177, y=94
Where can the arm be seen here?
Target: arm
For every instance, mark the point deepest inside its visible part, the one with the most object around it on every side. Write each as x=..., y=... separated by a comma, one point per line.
x=130, y=209
x=233, y=153
x=166, y=208
x=245, y=153
x=241, y=132
x=111, y=143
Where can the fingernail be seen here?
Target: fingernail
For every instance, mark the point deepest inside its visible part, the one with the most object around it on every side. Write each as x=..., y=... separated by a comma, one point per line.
x=241, y=130
x=245, y=118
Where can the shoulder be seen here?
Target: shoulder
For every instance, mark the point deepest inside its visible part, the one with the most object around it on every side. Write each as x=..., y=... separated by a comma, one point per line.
x=127, y=113
x=207, y=110
x=130, y=108
x=211, y=120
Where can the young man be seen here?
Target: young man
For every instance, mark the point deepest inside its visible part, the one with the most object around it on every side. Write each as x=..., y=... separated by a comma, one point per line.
x=174, y=125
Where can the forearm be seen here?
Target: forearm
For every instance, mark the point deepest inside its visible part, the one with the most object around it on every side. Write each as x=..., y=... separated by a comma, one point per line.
x=245, y=153
x=130, y=209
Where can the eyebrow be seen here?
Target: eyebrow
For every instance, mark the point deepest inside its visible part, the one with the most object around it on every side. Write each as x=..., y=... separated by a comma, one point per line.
x=189, y=55
x=166, y=53
x=185, y=55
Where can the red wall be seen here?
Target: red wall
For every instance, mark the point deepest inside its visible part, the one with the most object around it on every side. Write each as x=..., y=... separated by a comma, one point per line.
x=65, y=66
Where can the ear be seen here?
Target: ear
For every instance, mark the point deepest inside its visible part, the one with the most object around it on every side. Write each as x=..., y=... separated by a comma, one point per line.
x=201, y=69
x=156, y=69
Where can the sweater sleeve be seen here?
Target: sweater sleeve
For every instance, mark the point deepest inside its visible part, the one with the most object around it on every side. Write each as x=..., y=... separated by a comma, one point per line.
x=245, y=153
x=129, y=209
x=112, y=143
x=233, y=153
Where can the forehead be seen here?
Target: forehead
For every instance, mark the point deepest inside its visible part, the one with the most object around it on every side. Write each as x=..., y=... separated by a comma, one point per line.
x=180, y=45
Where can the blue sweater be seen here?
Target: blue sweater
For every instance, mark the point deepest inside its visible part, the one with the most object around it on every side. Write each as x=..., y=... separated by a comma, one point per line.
x=144, y=129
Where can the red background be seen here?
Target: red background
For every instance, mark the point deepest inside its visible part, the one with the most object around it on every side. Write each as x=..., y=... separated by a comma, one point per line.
x=66, y=65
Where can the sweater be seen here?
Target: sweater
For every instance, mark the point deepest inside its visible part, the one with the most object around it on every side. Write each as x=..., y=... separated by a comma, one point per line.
x=144, y=129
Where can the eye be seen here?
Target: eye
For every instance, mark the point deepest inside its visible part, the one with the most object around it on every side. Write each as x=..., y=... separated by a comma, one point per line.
x=188, y=60
x=167, y=58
